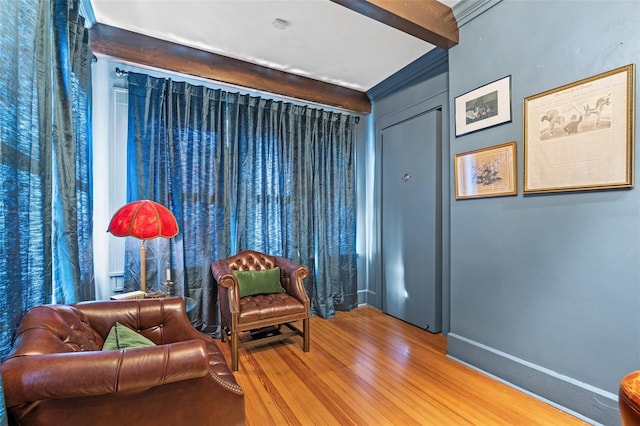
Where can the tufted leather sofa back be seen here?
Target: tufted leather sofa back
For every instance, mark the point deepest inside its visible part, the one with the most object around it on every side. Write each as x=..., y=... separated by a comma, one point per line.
x=55, y=329
x=159, y=325
x=48, y=329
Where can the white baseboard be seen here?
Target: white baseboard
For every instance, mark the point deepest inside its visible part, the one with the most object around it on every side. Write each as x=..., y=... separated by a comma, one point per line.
x=579, y=399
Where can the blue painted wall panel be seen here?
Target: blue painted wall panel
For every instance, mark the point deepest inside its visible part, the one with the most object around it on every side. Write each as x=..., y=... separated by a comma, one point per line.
x=552, y=280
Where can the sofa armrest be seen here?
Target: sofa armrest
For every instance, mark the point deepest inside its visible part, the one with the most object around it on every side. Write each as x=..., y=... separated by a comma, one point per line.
x=79, y=374
x=223, y=274
x=295, y=273
x=228, y=291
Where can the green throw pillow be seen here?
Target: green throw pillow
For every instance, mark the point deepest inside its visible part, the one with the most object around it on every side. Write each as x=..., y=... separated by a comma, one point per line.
x=259, y=282
x=122, y=337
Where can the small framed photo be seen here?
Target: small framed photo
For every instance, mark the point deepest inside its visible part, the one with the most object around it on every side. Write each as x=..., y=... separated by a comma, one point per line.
x=579, y=136
x=484, y=107
x=487, y=172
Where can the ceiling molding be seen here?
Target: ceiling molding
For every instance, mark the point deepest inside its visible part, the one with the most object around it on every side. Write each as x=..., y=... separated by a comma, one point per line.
x=143, y=50
x=427, y=20
x=466, y=12
x=86, y=10
x=434, y=62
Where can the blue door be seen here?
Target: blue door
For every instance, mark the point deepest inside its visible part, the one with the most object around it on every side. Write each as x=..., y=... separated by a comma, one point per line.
x=412, y=220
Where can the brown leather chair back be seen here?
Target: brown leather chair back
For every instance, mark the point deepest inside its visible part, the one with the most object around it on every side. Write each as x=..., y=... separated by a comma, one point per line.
x=251, y=261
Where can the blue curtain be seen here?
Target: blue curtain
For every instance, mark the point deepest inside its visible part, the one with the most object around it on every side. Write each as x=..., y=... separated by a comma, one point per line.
x=242, y=172
x=174, y=156
x=295, y=193
x=71, y=177
x=45, y=167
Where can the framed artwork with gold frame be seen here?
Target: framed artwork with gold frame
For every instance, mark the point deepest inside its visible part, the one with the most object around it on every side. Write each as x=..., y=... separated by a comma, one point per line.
x=580, y=136
x=486, y=172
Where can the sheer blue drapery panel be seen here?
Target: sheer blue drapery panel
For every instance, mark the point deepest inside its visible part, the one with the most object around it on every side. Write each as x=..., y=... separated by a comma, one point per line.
x=38, y=141
x=71, y=140
x=334, y=220
x=19, y=177
x=296, y=195
x=175, y=157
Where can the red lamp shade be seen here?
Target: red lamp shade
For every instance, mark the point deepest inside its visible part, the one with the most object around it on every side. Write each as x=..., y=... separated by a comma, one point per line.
x=144, y=220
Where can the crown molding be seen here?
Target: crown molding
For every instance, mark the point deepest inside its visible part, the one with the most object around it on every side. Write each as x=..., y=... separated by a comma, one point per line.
x=468, y=10
x=434, y=62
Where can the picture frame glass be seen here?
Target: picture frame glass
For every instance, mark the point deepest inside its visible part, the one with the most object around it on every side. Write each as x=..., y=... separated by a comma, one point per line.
x=487, y=172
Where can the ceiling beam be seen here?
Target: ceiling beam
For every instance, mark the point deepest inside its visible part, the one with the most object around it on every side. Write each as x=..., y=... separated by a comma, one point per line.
x=143, y=50
x=428, y=20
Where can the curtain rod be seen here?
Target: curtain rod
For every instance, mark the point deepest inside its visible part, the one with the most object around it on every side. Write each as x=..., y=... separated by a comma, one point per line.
x=122, y=73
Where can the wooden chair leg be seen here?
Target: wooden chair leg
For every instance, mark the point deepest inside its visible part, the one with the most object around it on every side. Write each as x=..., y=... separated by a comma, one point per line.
x=306, y=339
x=234, y=351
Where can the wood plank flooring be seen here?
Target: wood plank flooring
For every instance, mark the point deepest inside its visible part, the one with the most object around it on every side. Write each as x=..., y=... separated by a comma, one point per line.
x=368, y=368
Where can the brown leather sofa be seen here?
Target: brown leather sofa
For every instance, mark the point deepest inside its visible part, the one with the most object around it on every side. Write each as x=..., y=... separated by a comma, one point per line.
x=56, y=372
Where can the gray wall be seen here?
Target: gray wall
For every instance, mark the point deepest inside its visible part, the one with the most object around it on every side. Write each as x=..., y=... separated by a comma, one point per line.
x=545, y=289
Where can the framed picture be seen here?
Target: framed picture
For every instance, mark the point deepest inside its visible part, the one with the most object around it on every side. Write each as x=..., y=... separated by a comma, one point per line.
x=580, y=136
x=486, y=172
x=484, y=107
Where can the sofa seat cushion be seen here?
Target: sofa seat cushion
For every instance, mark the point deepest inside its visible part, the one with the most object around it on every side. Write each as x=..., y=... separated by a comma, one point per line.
x=265, y=306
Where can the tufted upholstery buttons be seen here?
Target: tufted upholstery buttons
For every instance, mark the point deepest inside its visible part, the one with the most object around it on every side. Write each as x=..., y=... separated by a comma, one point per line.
x=247, y=261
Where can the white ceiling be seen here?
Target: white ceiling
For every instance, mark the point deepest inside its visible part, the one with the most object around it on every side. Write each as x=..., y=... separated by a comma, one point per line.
x=324, y=40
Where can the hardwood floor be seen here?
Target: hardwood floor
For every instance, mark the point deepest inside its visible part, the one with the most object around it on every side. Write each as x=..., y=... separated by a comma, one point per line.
x=368, y=368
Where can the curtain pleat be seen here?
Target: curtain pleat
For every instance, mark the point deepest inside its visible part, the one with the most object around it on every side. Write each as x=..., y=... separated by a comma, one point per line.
x=242, y=172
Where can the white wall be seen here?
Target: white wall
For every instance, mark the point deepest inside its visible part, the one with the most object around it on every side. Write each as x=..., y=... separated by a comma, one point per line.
x=109, y=169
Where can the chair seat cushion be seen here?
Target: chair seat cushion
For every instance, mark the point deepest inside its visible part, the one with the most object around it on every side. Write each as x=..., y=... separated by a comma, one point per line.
x=265, y=306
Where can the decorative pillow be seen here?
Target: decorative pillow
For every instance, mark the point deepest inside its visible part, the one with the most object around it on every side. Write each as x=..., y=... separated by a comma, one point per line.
x=259, y=282
x=122, y=337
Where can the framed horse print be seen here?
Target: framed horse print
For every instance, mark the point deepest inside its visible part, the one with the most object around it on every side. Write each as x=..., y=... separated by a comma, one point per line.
x=580, y=136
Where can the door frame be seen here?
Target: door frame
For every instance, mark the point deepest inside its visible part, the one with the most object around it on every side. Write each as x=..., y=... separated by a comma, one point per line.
x=439, y=101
